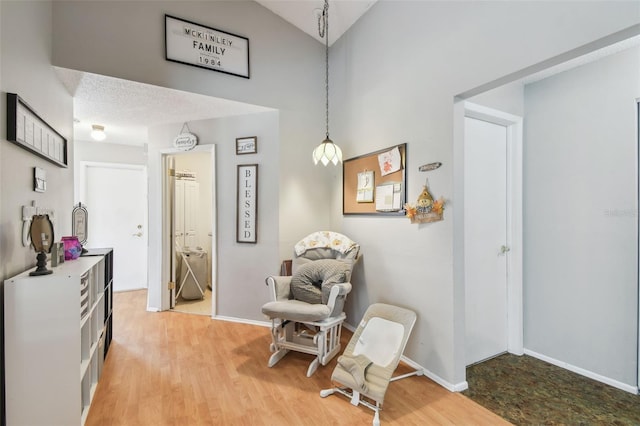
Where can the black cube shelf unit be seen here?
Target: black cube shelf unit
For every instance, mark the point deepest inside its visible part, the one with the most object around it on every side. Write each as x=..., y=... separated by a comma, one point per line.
x=108, y=292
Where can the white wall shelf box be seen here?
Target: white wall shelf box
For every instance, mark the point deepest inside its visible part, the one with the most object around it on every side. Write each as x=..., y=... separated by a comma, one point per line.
x=56, y=332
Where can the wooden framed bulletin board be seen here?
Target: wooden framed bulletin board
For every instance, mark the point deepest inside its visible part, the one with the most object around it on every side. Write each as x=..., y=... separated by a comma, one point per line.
x=375, y=183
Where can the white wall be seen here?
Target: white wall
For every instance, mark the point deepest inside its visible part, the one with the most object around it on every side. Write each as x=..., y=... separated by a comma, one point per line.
x=26, y=70
x=126, y=40
x=508, y=98
x=395, y=74
x=105, y=153
x=241, y=267
x=110, y=152
x=581, y=215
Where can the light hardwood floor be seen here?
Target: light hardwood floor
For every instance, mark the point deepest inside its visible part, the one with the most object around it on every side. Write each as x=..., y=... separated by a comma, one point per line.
x=171, y=368
x=197, y=306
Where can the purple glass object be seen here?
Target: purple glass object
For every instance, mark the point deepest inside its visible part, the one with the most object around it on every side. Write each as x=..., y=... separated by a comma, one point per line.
x=72, y=248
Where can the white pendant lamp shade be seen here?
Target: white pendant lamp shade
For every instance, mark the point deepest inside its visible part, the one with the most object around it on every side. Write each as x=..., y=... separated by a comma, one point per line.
x=327, y=152
x=98, y=132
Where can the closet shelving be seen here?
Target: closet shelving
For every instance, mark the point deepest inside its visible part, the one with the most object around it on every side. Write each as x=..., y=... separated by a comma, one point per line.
x=57, y=332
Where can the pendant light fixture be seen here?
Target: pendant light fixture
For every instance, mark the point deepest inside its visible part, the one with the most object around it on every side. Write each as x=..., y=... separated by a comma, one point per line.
x=327, y=152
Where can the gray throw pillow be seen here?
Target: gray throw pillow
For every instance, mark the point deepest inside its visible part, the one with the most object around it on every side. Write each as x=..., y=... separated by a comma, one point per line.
x=312, y=281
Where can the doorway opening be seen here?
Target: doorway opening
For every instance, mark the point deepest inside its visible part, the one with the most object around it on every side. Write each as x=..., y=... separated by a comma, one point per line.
x=189, y=218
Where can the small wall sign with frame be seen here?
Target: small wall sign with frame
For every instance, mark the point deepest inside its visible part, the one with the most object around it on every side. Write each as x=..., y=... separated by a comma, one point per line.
x=26, y=129
x=247, y=145
x=39, y=179
x=247, y=204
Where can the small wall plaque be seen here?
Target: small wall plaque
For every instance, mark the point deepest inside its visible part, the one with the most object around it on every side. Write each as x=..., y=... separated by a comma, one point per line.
x=39, y=179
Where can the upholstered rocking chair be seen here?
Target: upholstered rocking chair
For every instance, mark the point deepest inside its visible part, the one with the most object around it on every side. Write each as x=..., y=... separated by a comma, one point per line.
x=306, y=309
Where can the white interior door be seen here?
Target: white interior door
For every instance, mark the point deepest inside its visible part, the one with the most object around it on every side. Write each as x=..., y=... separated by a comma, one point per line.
x=116, y=199
x=485, y=222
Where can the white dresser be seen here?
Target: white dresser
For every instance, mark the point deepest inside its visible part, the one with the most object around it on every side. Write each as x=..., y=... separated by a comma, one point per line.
x=57, y=330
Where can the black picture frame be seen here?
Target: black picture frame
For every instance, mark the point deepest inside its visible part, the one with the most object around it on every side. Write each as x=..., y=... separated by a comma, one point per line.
x=28, y=130
x=247, y=204
x=190, y=43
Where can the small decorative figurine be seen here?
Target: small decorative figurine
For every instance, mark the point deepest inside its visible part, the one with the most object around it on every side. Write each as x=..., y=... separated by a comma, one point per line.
x=426, y=208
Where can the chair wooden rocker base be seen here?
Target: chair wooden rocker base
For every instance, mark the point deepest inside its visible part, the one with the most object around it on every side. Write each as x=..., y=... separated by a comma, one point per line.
x=320, y=338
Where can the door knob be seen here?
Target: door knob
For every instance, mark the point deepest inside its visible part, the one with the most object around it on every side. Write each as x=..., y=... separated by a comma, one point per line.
x=137, y=234
x=504, y=250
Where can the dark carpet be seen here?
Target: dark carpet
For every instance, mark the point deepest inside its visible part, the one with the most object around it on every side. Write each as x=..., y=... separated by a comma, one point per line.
x=527, y=391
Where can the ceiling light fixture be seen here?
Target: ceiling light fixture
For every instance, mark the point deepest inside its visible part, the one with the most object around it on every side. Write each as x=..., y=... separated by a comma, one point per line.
x=98, y=132
x=327, y=152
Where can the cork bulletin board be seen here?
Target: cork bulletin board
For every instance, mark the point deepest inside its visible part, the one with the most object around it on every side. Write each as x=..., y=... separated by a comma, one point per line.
x=375, y=183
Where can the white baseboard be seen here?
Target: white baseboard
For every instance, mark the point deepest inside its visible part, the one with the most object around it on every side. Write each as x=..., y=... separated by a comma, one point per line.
x=242, y=321
x=583, y=372
x=349, y=327
x=451, y=387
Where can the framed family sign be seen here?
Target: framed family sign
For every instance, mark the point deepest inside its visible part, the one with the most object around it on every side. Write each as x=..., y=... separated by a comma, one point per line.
x=247, y=204
x=200, y=46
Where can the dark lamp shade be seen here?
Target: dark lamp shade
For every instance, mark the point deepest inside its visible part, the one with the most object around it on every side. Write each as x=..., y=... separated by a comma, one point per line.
x=41, y=233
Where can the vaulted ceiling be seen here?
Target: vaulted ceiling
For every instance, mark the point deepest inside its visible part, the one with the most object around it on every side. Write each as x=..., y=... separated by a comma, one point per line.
x=126, y=109
x=304, y=14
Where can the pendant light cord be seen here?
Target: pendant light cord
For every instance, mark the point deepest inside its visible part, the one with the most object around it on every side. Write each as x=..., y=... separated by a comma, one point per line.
x=323, y=31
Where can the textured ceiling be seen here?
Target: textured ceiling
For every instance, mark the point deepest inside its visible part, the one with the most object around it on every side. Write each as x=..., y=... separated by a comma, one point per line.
x=126, y=108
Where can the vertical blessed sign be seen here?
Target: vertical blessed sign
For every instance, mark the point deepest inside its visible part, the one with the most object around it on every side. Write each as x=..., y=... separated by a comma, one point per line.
x=247, y=210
